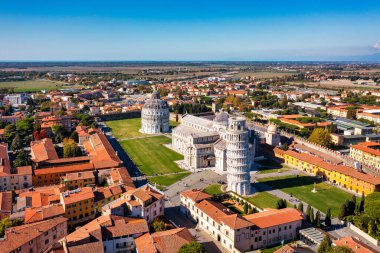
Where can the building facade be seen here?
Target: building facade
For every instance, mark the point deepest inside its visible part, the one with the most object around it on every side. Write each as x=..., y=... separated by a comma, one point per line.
x=238, y=156
x=155, y=115
x=240, y=233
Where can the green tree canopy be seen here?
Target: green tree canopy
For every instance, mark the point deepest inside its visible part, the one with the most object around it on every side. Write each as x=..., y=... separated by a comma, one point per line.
x=321, y=136
x=192, y=247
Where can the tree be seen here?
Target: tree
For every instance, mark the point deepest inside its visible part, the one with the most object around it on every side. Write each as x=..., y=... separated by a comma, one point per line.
x=300, y=207
x=308, y=212
x=362, y=203
x=321, y=136
x=16, y=143
x=311, y=214
x=281, y=203
x=341, y=249
x=342, y=212
x=328, y=217
x=22, y=159
x=70, y=148
x=9, y=133
x=351, y=113
x=74, y=136
x=372, y=205
x=158, y=225
x=245, y=207
x=59, y=132
x=5, y=223
x=325, y=245
x=192, y=247
x=318, y=219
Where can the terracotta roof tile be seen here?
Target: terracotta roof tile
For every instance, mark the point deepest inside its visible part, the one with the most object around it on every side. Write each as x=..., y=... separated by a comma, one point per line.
x=171, y=241
x=274, y=217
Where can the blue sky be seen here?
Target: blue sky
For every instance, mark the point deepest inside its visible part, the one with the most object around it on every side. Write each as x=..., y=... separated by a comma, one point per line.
x=188, y=29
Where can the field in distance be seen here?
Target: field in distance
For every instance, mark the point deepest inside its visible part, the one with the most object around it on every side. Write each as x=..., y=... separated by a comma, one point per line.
x=34, y=85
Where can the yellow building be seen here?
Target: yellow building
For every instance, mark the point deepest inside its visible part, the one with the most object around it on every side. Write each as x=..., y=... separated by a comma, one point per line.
x=366, y=152
x=78, y=206
x=77, y=180
x=105, y=195
x=343, y=176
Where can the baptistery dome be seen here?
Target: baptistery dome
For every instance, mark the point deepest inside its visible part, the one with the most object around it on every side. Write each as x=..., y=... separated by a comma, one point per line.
x=155, y=115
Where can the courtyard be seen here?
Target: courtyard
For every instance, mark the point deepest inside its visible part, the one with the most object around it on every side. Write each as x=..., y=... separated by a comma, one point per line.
x=301, y=187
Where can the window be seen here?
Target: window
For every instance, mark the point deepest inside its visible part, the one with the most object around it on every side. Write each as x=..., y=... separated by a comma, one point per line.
x=31, y=242
x=46, y=241
x=46, y=233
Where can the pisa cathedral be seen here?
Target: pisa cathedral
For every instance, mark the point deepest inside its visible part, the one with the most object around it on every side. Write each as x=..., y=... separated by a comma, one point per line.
x=224, y=143
x=155, y=115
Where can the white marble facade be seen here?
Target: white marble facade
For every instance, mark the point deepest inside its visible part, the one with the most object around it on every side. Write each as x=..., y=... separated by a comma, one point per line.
x=222, y=143
x=155, y=115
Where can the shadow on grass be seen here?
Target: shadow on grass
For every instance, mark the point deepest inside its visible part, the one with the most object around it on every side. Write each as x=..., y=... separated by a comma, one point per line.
x=282, y=183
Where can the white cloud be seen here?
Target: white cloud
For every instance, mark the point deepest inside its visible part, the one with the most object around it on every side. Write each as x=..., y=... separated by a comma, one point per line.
x=376, y=46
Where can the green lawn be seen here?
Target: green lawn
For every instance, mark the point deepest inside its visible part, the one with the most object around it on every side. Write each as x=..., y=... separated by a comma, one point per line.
x=301, y=187
x=153, y=158
x=126, y=128
x=270, y=166
x=34, y=85
x=213, y=189
x=263, y=200
x=129, y=128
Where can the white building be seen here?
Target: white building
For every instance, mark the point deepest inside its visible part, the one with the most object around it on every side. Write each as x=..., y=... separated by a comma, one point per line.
x=272, y=137
x=238, y=156
x=155, y=115
x=239, y=233
x=145, y=202
x=212, y=143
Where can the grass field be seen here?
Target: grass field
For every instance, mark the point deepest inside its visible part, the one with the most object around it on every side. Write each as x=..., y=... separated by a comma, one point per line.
x=129, y=128
x=213, y=189
x=271, y=250
x=148, y=152
x=34, y=85
x=270, y=166
x=126, y=128
x=264, y=74
x=301, y=188
x=263, y=200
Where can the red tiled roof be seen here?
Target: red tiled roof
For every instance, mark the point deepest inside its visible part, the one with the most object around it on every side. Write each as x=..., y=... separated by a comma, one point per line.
x=274, y=217
x=15, y=237
x=82, y=194
x=144, y=244
x=43, y=213
x=355, y=245
x=195, y=195
x=171, y=241
x=43, y=150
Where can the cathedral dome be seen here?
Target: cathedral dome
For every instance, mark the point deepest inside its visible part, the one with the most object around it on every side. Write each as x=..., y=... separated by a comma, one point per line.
x=221, y=117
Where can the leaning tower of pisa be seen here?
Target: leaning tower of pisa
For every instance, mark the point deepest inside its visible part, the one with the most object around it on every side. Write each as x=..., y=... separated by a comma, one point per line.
x=238, y=160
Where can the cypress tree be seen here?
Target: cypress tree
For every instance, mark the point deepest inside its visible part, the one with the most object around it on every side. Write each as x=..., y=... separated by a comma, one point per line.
x=342, y=212
x=361, y=205
x=300, y=207
x=308, y=211
x=318, y=219
x=328, y=217
x=311, y=214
